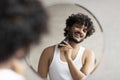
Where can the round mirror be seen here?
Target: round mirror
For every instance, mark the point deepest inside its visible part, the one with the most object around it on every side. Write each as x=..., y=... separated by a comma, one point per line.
x=58, y=15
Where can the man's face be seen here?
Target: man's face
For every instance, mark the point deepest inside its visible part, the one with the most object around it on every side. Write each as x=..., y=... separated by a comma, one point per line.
x=78, y=33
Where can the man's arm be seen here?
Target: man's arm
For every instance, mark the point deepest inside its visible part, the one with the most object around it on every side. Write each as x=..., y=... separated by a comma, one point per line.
x=89, y=62
x=76, y=73
x=44, y=62
x=87, y=66
x=86, y=69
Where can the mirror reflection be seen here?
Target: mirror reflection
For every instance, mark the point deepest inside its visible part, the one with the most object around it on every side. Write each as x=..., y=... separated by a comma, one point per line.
x=74, y=46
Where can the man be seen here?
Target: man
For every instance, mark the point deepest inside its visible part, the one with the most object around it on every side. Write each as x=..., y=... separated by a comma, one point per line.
x=22, y=23
x=69, y=60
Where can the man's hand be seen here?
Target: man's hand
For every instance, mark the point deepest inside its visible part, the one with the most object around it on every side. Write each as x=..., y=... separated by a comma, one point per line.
x=75, y=72
x=67, y=49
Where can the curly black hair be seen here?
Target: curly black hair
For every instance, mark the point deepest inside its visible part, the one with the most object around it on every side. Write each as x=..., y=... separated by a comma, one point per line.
x=79, y=19
x=22, y=22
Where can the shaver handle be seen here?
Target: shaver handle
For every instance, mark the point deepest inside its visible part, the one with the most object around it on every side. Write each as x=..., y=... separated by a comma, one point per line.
x=66, y=39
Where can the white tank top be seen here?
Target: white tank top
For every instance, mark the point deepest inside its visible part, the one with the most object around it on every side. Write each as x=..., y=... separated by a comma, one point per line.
x=59, y=70
x=8, y=74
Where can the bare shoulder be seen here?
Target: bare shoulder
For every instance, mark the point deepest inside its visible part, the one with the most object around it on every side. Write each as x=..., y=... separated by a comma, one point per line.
x=48, y=51
x=88, y=53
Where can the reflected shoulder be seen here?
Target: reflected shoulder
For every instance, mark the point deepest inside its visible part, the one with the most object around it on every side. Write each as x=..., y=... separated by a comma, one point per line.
x=48, y=51
x=89, y=53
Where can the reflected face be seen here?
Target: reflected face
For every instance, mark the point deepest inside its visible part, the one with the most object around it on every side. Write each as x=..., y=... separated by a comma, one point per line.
x=78, y=32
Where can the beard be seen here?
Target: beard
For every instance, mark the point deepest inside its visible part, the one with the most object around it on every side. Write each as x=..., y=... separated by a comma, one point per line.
x=75, y=36
x=72, y=39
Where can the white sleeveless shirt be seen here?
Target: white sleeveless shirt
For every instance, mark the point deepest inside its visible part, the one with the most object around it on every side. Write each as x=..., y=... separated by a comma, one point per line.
x=59, y=70
x=8, y=74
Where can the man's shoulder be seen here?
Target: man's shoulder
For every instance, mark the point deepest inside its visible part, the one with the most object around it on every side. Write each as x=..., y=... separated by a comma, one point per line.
x=48, y=52
x=49, y=48
x=7, y=73
x=88, y=53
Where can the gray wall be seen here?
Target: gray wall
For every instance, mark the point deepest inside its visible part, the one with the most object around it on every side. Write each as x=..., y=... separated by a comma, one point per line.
x=107, y=12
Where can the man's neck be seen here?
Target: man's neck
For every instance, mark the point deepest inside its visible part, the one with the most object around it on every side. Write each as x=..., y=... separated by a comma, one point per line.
x=74, y=45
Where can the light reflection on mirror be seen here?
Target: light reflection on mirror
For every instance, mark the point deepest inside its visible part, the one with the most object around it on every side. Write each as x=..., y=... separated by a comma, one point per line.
x=58, y=15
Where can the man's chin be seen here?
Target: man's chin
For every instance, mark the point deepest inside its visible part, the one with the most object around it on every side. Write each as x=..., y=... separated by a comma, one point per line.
x=75, y=40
